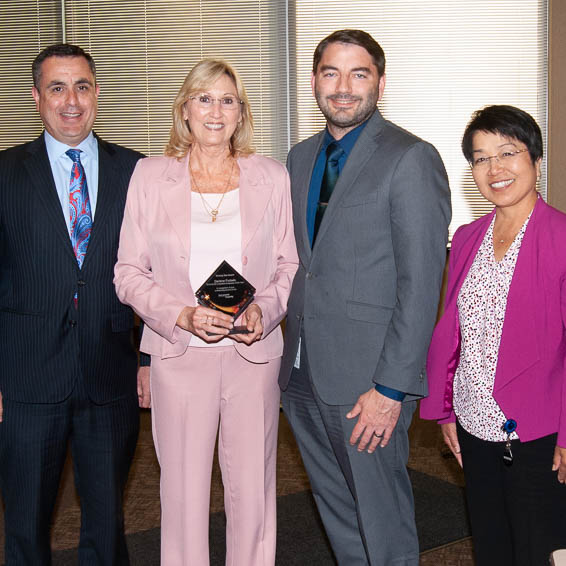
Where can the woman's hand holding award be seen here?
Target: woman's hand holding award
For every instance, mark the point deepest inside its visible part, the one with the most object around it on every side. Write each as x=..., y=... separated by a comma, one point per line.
x=227, y=291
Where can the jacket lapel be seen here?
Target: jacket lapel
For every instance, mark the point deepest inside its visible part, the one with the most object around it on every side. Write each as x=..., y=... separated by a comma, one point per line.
x=107, y=198
x=467, y=255
x=518, y=349
x=39, y=169
x=175, y=192
x=300, y=186
x=255, y=194
x=459, y=268
x=364, y=148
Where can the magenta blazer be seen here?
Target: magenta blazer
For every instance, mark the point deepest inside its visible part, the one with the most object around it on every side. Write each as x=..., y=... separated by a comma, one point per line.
x=152, y=272
x=530, y=376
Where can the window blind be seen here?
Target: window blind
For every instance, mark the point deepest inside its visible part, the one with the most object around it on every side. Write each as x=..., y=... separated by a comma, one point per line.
x=445, y=59
x=144, y=50
x=26, y=27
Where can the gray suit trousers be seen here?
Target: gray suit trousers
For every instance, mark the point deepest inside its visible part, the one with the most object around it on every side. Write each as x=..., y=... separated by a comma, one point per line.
x=365, y=500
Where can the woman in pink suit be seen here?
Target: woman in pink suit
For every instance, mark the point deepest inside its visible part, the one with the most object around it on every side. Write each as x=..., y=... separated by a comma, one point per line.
x=207, y=200
x=496, y=369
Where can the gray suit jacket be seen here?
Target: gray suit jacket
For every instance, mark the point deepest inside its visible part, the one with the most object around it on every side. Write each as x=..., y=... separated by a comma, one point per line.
x=367, y=294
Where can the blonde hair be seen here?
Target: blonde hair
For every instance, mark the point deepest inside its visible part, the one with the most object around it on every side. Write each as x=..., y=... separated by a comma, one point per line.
x=201, y=77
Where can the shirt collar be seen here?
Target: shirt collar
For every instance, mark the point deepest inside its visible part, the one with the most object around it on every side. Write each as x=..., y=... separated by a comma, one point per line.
x=56, y=149
x=348, y=141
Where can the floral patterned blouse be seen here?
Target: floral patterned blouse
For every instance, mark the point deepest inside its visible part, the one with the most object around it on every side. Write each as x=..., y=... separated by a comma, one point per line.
x=481, y=307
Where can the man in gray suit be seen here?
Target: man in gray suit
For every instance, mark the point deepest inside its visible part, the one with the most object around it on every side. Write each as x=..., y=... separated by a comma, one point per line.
x=371, y=207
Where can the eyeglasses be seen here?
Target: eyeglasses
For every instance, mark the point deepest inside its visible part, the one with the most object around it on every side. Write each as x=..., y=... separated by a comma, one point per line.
x=206, y=102
x=504, y=157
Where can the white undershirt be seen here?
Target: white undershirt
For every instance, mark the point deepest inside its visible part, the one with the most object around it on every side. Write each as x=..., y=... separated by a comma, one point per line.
x=213, y=242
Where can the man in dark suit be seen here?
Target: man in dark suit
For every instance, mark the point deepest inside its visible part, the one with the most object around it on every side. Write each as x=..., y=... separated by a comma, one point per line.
x=67, y=360
x=371, y=208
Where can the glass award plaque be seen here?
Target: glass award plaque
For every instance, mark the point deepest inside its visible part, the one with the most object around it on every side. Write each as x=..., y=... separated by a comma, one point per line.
x=226, y=291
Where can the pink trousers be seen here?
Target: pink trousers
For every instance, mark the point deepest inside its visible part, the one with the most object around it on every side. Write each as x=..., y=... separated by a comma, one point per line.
x=191, y=396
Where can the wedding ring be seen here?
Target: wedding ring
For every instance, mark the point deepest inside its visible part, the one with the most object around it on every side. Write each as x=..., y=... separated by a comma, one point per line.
x=378, y=435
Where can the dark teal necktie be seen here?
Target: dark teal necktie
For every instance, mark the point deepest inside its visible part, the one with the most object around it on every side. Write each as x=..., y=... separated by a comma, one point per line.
x=333, y=153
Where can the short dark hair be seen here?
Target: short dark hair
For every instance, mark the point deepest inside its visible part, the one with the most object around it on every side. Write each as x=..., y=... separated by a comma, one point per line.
x=59, y=50
x=355, y=37
x=507, y=121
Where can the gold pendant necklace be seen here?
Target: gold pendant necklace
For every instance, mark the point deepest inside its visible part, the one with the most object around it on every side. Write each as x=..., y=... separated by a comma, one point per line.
x=212, y=211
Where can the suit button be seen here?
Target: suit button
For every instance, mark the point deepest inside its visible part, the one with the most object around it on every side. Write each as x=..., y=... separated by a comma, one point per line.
x=73, y=322
x=81, y=283
x=298, y=316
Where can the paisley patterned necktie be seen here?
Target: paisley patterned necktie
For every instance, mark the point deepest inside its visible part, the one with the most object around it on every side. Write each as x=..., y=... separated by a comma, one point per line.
x=79, y=207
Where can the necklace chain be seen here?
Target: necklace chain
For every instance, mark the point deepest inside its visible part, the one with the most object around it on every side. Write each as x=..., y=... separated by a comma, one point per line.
x=503, y=240
x=213, y=212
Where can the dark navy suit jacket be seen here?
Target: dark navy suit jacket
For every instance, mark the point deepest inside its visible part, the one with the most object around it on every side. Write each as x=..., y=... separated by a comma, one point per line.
x=45, y=342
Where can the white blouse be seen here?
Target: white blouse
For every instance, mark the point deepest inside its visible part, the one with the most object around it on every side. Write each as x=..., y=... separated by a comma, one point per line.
x=212, y=242
x=481, y=307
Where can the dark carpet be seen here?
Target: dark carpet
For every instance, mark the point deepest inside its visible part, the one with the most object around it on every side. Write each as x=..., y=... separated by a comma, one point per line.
x=440, y=515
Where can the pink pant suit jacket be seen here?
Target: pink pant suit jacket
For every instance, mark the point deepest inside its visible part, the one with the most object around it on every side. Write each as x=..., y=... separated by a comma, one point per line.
x=152, y=272
x=530, y=374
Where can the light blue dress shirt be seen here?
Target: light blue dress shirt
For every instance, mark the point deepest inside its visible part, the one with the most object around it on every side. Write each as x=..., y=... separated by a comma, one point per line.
x=61, y=165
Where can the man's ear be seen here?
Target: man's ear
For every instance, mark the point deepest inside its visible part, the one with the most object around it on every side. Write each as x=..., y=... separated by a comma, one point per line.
x=35, y=94
x=381, y=86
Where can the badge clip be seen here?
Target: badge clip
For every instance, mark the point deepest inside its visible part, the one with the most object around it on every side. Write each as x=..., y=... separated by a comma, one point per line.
x=508, y=428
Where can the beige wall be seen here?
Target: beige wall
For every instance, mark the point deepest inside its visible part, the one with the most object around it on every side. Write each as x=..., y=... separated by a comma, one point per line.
x=557, y=105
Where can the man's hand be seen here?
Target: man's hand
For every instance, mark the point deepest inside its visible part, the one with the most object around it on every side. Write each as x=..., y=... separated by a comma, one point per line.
x=252, y=319
x=378, y=416
x=559, y=463
x=144, y=394
x=451, y=438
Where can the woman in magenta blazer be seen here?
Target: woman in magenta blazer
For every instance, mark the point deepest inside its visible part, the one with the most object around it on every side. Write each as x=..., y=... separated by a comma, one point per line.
x=207, y=200
x=496, y=362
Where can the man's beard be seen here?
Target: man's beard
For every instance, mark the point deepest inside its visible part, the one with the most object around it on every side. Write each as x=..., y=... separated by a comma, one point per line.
x=340, y=118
